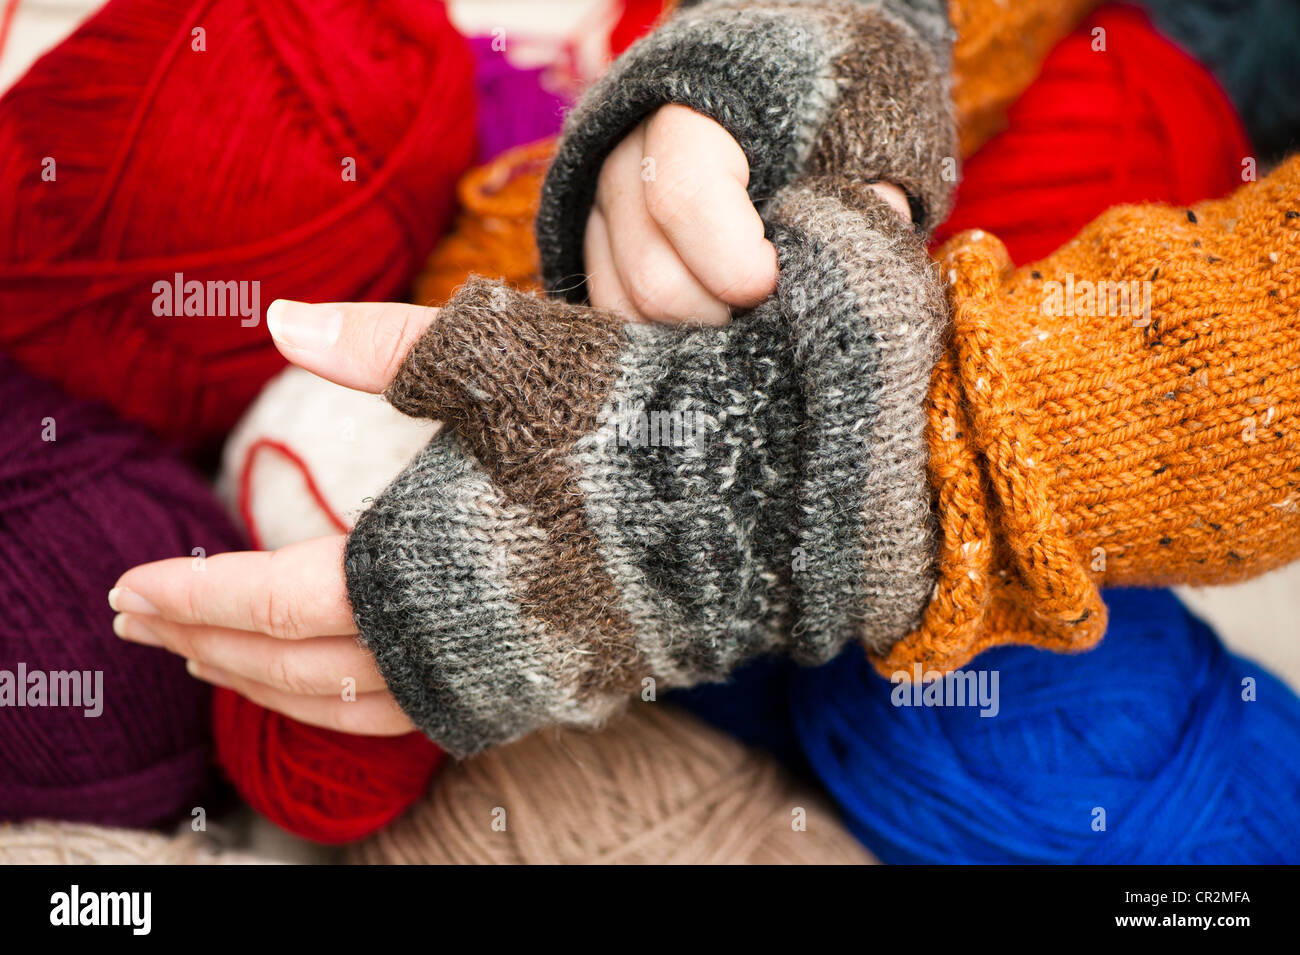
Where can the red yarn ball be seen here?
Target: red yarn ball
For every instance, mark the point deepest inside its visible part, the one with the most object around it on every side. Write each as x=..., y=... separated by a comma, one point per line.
x=636, y=20
x=219, y=141
x=1140, y=121
x=319, y=784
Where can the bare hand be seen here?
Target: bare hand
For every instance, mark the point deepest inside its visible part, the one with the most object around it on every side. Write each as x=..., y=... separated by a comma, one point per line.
x=673, y=235
x=277, y=626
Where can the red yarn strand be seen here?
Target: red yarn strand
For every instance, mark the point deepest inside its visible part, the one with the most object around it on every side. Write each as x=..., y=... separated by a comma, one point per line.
x=246, y=487
x=6, y=22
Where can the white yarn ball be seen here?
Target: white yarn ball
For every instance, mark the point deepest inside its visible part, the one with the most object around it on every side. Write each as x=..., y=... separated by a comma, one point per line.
x=352, y=445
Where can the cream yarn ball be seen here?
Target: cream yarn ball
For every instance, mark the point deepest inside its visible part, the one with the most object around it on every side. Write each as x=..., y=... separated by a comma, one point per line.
x=67, y=843
x=656, y=786
x=301, y=433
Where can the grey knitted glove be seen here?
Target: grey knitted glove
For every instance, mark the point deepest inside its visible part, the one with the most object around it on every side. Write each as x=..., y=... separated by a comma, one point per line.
x=612, y=503
x=856, y=89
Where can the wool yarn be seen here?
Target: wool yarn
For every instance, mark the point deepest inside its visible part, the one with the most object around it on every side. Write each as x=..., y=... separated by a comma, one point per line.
x=319, y=784
x=493, y=234
x=65, y=843
x=82, y=498
x=308, y=454
x=1139, y=121
x=1185, y=753
x=293, y=149
x=301, y=464
x=654, y=787
x=1250, y=45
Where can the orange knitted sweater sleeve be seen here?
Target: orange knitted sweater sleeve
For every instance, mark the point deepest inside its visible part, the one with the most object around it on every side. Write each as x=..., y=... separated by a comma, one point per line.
x=999, y=50
x=1124, y=412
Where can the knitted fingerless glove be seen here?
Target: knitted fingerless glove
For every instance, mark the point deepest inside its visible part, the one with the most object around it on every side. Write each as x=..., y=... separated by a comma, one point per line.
x=1124, y=412
x=856, y=89
x=615, y=504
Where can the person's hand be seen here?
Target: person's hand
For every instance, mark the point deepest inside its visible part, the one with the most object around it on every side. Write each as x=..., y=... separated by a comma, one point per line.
x=673, y=235
x=277, y=626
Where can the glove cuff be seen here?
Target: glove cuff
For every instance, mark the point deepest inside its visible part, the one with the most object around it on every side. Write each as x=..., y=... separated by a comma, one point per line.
x=850, y=89
x=628, y=508
x=1121, y=413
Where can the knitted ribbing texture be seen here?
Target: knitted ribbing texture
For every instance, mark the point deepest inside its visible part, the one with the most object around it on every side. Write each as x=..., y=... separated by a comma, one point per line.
x=849, y=88
x=618, y=509
x=1124, y=412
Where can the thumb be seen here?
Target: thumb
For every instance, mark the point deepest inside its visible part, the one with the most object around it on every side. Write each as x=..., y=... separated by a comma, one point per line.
x=359, y=345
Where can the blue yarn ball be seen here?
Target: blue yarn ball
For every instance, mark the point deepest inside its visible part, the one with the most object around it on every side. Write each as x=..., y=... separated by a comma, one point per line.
x=1151, y=728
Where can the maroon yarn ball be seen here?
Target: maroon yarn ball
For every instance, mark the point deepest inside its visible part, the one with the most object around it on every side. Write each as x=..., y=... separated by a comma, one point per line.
x=83, y=497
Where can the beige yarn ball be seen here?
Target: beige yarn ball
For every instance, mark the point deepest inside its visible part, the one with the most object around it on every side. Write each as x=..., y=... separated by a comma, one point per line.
x=657, y=786
x=68, y=843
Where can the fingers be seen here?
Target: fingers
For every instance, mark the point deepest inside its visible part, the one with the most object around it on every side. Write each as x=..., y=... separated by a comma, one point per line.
x=359, y=345
x=293, y=593
x=325, y=666
x=604, y=287
x=370, y=714
x=659, y=286
x=697, y=196
x=895, y=198
x=244, y=621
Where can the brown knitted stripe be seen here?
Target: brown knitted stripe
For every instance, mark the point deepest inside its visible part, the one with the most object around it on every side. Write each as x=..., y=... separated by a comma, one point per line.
x=521, y=378
x=892, y=119
x=889, y=113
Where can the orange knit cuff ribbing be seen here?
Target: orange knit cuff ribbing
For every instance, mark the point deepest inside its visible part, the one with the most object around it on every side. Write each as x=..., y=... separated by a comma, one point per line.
x=1125, y=412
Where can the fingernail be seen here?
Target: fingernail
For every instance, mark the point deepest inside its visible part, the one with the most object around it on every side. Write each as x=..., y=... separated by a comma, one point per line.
x=304, y=326
x=135, y=630
x=128, y=601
